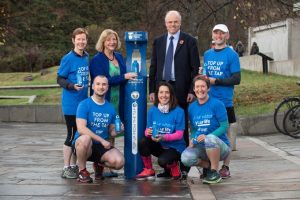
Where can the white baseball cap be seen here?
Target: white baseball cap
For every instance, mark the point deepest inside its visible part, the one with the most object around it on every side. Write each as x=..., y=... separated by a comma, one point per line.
x=221, y=27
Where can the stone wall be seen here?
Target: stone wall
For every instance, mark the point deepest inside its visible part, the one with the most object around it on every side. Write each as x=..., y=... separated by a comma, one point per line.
x=287, y=67
x=52, y=114
x=279, y=40
x=32, y=113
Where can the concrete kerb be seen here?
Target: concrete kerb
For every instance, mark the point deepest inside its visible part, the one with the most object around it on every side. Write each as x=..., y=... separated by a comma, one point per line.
x=29, y=87
x=30, y=98
x=256, y=125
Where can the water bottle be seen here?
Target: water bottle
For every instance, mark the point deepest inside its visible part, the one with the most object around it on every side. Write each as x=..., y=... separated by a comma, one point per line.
x=204, y=72
x=195, y=141
x=135, y=67
x=117, y=124
x=136, y=56
x=195, y=136
x=154, y=130
x=79, y=80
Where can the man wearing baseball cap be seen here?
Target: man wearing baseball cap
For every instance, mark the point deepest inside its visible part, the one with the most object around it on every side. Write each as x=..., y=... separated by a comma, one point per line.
x=222, y=67
x=221, y=27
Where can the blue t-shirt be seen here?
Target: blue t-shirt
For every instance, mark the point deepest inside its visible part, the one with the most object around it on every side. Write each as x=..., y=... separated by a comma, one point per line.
x=168, y=123
x=222, y=64
x=71, y=65
x=98, y=117
x=205, y=118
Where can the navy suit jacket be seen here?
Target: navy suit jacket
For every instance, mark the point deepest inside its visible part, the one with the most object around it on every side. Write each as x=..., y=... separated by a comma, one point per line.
x=186, y=64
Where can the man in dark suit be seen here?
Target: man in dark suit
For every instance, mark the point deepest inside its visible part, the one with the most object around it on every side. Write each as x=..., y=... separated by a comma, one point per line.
x=180, y=70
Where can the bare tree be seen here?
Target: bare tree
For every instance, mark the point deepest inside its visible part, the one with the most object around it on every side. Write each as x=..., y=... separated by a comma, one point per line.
x=199, y=16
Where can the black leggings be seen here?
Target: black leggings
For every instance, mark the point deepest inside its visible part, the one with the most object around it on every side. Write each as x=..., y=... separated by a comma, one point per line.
x=148, y=147
x=71, y=128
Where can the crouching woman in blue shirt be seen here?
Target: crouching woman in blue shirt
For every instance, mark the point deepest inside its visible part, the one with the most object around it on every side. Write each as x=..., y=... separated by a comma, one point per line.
x=164, y=135
x=208, y=142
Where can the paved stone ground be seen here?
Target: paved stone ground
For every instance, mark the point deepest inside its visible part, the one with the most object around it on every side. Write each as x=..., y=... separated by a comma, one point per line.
x=264, y=167
x=31, y=163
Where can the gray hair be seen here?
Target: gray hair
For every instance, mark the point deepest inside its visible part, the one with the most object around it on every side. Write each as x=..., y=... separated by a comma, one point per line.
x=171, y=12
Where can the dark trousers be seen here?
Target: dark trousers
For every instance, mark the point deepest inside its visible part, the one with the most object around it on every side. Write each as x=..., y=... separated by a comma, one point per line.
x=71, y=128
x=165, y=157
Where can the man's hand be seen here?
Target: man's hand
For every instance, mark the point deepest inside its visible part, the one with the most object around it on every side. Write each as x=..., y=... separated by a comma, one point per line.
x=152, y=97
x=212, y=80
x=112, y=130
x=106, y=144
x=190, y=98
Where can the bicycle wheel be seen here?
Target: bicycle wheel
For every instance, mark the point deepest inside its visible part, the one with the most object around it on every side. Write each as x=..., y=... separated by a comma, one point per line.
x=291, y=122
x=281, y=110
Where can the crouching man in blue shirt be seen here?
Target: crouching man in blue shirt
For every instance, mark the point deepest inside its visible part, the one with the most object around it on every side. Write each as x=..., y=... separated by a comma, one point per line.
x=95, y=122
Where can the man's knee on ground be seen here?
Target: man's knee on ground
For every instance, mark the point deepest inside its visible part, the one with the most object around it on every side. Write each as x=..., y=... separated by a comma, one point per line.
x=189, y=157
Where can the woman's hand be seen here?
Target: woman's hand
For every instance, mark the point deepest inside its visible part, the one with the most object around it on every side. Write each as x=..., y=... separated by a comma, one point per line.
x=152, y=97
x=130, y=75
x=200, y=70
x=158, y=138
x=149, y=132
x=76, y=87
x=200, y=138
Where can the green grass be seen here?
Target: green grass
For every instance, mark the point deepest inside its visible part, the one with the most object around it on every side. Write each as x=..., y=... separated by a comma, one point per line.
x=13, y=101
x=44, y=96
x=257, y=94
x=12, y=79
